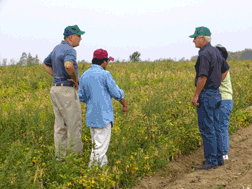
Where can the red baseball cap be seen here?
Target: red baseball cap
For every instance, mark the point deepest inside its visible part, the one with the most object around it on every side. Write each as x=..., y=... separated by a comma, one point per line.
x=101, y=53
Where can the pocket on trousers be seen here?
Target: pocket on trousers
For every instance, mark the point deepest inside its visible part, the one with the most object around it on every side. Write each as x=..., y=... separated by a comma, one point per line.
x=213, y=100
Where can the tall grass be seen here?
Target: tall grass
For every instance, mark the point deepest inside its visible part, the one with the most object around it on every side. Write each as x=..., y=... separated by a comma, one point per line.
x=162, y=125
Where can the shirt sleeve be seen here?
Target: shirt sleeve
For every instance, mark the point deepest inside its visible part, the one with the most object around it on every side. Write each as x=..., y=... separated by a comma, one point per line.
x=203, y=65
x=113, y=89
x=224, y=66
x=48, y=60
x=70, y=55
x=81, y=91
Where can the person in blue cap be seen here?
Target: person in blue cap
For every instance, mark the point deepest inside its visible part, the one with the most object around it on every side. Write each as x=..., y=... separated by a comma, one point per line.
x=61, y=64
x=211, y=68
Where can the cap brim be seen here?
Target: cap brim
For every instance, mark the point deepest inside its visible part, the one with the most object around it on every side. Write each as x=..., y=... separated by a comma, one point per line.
x=192, y=36
x=111, y=58
x=80, y=32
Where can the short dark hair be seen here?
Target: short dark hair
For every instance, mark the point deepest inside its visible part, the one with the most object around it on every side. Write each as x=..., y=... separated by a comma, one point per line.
x=99, y=61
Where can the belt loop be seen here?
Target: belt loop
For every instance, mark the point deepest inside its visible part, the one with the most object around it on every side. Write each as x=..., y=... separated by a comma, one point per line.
x=61, y=84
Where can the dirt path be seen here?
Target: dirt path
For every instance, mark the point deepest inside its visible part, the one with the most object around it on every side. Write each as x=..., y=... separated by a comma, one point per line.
x=236, y=173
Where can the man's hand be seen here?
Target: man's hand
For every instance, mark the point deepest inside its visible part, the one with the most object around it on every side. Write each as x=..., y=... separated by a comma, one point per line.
x=125, y=109
x=194, y=100
x=76, y=86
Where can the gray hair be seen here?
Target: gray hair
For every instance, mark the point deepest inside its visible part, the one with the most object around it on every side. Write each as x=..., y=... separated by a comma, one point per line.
x=207, y=38
x=218, y=45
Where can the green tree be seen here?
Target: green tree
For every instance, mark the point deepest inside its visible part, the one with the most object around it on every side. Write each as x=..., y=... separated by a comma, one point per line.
x=23, y=60
x=36, y=60
x=30, y=59
x=12, y=62
x=135, y=57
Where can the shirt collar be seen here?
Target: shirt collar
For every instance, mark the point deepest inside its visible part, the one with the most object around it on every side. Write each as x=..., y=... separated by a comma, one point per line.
x=65, y=42
x=96, y=66
x=205, y=46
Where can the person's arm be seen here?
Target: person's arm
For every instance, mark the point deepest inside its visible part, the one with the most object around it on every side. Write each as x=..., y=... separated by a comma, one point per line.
x=116, y=92
x=224, y=74
x=123, y=102
x=125, y=107
x=69, y=60
x=69, y=67
x=112, y=87
x=48, y=69
x=224, y=69
x=200, y=85
x=82, y=94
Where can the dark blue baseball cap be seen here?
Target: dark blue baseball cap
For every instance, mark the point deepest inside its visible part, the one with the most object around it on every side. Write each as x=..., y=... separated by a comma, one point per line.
x=70, y=30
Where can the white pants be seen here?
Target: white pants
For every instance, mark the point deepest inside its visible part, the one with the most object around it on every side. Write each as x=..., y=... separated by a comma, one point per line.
x=100, y=141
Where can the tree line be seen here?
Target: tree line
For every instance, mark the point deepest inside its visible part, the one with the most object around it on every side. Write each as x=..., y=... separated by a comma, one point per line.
x=27, y=59
x=246, y=54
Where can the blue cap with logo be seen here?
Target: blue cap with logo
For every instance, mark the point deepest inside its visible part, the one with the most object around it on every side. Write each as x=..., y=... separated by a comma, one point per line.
x=70, y=30
x=201, y=31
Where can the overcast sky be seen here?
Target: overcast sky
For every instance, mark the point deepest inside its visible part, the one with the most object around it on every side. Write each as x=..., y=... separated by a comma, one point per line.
x=157, y=29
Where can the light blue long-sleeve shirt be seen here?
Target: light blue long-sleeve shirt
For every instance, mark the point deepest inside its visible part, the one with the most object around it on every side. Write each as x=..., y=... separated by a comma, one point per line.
x=96, y=89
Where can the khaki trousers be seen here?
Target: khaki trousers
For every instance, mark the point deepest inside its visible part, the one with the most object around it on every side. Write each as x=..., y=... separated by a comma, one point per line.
x=68, y=123
x=100, y=140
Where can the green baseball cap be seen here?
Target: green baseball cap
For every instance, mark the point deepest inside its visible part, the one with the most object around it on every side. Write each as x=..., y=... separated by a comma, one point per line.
x=70, y=30
x=201, y=31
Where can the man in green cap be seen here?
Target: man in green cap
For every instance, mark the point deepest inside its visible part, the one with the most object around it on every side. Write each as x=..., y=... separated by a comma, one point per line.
x=61, y=64
x=211, y=68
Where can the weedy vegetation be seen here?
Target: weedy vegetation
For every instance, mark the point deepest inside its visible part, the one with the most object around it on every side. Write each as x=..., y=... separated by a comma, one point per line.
x=161, y=126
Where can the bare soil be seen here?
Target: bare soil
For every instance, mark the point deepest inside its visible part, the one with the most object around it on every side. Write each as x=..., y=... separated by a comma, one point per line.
x=236, y=173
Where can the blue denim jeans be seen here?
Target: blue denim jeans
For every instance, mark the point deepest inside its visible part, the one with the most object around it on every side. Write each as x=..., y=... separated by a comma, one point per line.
x=209, y=127
x=225, y=110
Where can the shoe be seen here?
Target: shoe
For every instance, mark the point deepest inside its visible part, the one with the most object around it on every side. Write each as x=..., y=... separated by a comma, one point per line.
x=206, y=166
x=225, y=157
x=221, y=163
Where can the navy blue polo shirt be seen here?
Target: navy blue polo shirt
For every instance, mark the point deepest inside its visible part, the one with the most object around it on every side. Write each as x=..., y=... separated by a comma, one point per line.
x=211, y=64
x=56, y=59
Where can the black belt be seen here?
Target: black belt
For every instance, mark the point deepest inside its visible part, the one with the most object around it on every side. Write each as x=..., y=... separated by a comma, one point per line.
x=63, y=84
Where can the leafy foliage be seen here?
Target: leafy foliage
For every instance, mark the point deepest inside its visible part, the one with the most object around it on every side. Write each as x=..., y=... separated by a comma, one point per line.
x=135, y=57
x=162, y=125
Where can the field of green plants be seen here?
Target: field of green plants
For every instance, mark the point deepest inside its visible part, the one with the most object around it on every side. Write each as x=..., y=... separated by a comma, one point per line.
x=161, y=126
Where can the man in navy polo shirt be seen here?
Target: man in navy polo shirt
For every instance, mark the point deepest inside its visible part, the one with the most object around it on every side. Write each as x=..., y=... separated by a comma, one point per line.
x=211, y=68
x=97, y=87
x=61, y=64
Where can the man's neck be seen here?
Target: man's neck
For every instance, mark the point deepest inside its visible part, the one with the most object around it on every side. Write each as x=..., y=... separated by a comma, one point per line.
x=204, y=44
x=69, y=42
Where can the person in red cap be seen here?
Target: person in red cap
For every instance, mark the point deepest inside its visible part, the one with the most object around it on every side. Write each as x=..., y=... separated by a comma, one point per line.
x=96, y=88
